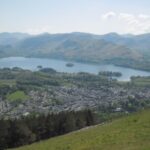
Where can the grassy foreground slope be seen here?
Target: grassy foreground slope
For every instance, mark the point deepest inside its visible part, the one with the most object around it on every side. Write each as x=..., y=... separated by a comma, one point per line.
x=128, y=133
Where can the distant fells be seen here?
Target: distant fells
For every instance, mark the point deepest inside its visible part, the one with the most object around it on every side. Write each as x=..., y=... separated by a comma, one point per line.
x=123, y=50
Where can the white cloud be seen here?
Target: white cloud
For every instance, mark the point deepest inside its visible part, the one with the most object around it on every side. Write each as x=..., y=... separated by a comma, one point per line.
x=130, y=23
x=109, y=15
x=126, y=17
x=143, y=16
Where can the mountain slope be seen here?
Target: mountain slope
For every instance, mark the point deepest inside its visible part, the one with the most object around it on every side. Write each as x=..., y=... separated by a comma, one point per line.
x=11, y=38
x=83, y=47
x=128, y=133
x=137, y=42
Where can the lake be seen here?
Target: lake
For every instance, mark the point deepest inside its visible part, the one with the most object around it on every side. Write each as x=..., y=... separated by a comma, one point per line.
x=60, y=66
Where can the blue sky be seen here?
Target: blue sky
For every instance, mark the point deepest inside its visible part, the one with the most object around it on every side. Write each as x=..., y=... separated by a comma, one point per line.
x=60, y=16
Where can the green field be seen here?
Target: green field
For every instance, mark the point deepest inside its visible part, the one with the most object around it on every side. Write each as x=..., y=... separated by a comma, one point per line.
x=7, y=82
x=139, y=81
x=128, y=133
x=18, y=95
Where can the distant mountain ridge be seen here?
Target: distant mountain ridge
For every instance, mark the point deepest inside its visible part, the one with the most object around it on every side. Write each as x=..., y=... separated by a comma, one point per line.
x=11, y=38
x=125, y=50
x=138, y=42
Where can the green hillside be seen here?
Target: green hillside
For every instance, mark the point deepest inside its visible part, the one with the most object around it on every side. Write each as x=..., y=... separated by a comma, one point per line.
x=128, y=133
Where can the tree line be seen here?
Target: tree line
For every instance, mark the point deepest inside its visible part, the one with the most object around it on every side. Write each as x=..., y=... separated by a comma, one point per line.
x=26, y=130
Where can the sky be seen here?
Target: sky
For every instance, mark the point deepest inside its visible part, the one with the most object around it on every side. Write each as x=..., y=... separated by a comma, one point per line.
x=64, y=16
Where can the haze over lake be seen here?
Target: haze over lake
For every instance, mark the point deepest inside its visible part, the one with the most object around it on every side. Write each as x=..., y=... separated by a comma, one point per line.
x=60, y=66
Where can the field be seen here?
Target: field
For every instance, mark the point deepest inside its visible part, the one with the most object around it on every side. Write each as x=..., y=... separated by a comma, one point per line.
x=139, y=81
x=18, y=95
x=7, y=82
x=128, y=133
